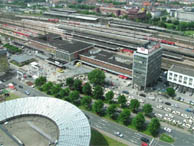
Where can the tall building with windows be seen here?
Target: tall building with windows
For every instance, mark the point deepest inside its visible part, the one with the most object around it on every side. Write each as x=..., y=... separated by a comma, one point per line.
x=182, y=76
x=4, y=65
x=147, y=65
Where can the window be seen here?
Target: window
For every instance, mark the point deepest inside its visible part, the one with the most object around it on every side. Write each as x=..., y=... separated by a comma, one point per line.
x=175, y=79
x=170, y=78
x=180, y=77
x=185, y=78
x=175, y=75
x=170, y=74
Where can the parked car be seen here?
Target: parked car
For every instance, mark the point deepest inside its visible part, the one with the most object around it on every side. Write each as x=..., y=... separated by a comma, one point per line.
x=125, y=92
x=20, y=86
x=188, y=110
x=168, y=103
x=143, y=95
x=144, y=139
x=27, y=92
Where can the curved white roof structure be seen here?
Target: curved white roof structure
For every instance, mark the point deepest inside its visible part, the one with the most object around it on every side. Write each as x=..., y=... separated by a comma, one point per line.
x=73, y=125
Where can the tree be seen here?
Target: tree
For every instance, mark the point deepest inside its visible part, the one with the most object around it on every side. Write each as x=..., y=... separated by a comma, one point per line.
x=86, y=102
x=55, y=89
x=77, y=85
x=63, y=93
x=47, y=86
x=139, y=121
x=87, y=89
x=147, y=108
x=170, y=91
x=134, y=105
x=98, y=92
x=40, y=81
x=124, y=116
x=98, y=107
x=111, y=110
x=109, y=96
x=74, y=97
x=96, y=77
x=69, y=82
x=154, y=127
x=122, y=100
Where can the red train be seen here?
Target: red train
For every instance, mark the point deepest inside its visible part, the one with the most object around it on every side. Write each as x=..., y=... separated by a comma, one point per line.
x=53, y=20
x=167, y=42
x=27, y=35
x=161, y=41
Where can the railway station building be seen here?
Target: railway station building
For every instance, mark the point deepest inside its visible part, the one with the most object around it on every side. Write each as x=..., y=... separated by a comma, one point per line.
x=147, y=65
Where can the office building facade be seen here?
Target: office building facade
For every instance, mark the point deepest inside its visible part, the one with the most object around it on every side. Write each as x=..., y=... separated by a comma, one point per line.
x=147, y=65
x=181, y=76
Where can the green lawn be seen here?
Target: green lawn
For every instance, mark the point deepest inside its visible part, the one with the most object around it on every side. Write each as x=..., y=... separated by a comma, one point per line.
x=98, y=139
x=189, y=32
x=12, y=96
x=166, y=138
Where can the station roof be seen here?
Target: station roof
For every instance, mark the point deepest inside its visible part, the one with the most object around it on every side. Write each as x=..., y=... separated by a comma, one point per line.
x=182, y=70
x=71, y=16
x=107, y=57
x=67, y=45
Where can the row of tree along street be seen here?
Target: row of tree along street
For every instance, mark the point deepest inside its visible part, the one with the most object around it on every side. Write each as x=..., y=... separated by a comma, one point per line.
x=90, y=97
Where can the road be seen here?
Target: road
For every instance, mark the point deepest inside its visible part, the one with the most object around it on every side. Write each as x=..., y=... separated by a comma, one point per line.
x=133, y=137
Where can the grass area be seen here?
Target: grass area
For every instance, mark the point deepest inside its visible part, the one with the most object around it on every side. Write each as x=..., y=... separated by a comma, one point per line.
x=189, y=32
x=11, y=97
x=98, y=139
x=166, y=138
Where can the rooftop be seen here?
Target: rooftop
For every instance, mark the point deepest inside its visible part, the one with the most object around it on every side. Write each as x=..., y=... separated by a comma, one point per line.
x=182, y=70
x=109, y=57
x=3, y=52
x=21, y=58
x=69, y=45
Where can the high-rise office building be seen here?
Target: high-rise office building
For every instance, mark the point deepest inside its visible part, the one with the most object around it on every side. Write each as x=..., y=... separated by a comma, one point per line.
x=4, y=65
x=147, y=65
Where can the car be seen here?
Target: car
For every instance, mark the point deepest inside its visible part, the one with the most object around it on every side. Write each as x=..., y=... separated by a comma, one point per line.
x=143, y=95
x=145, y=139
x=119, y=134
x=168, y=103
x=188, y=110
x=20, y=86
x=27, y=92
x=125, y=92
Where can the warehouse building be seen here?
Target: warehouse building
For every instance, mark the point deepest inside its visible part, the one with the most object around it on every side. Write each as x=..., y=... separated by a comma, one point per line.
x=181, y=76
x=147, y=65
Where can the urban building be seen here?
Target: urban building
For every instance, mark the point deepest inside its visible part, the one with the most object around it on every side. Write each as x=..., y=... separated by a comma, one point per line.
x=147, y=65
x=181, y=76
x=4, y=65
x=108, y=61
x=185, y=14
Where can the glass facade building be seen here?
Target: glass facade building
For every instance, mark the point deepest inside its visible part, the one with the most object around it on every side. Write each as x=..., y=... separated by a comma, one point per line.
x=147, y=65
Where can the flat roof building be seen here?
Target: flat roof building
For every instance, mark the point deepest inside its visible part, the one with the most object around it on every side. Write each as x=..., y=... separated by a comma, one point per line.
x=108, y=61
x=61, y=47
x=181, y=75
x=147, y=64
